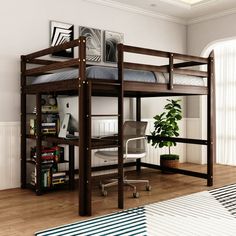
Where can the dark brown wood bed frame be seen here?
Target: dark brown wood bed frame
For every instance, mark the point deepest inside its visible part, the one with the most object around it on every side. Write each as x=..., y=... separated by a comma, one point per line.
x=86, y=88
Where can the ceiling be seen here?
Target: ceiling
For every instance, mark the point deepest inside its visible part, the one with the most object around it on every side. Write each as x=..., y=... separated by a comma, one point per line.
x=183, y=11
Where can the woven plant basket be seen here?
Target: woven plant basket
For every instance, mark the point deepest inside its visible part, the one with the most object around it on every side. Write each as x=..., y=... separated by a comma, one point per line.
x=172, y=162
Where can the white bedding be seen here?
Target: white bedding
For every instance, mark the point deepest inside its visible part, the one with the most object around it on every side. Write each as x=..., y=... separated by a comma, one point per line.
x=102, y=72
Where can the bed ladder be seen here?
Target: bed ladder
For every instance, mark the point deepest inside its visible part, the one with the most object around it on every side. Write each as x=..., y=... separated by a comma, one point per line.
x=85, y=131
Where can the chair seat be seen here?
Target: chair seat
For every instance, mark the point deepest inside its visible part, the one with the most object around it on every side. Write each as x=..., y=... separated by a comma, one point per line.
x=113, y=155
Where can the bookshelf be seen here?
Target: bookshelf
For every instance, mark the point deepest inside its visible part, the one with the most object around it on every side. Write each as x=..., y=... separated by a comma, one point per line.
x=45, y=165
x=38, y=174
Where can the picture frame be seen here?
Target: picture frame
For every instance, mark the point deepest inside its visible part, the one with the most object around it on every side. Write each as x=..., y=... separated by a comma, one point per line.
x=111, y=40
x=60, y=33
x=93, y=43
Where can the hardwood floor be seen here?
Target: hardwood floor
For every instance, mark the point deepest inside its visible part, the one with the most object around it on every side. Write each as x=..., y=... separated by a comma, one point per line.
x=23, y=213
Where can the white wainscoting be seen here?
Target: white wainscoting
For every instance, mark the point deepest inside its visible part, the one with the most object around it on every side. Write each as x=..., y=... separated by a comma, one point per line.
x=9, y=155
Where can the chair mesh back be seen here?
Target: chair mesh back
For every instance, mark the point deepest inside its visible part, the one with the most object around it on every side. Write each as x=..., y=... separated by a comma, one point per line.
x=134, y=129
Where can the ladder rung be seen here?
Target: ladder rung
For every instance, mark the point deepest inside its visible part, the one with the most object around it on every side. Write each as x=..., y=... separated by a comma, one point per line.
x=99, y=115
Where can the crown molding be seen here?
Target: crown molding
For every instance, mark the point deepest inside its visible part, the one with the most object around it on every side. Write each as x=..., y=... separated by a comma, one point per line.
x=138, y=10
x=211, y=16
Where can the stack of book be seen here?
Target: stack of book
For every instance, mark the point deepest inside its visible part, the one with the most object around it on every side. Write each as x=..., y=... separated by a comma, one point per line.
x=46, y=176
x=50, y=157
x=53, y=154
x=49, y=128
x=58, y=178
x=48, y=109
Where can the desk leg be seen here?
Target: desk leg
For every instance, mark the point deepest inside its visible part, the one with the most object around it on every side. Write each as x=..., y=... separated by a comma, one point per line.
x=71, y=167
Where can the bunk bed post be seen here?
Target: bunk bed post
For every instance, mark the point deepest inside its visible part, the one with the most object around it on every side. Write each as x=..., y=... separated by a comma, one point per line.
x=138, y=118
x=120, y=126
x=171, y=70
x=210, y=120
x=38, y=143
x=71, y=167
x=89, y=147
x=23, y=123
x=84, y=152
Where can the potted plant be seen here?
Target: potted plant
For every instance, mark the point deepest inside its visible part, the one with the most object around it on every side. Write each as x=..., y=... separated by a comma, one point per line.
x=166, y=125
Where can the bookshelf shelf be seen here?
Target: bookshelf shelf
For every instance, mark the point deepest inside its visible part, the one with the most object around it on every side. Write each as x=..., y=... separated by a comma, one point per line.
x=42, y=163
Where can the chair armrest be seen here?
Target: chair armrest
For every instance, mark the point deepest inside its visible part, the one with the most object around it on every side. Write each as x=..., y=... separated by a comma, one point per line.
x=133, y=139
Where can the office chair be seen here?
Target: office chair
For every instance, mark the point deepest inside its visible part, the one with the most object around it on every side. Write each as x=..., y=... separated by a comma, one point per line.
x=135, y=147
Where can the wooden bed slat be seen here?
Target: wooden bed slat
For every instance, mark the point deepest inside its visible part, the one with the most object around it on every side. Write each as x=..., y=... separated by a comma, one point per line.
x=50, y=67
x=187, y=64
x=158, y=53
x=164, y=69
x=137, y=66
x=202, y=74
x=145, y=51
x=41, y=61
x=190, y=58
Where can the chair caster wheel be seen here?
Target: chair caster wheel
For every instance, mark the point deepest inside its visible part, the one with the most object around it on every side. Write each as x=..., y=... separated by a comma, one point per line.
x=104, y=193
x=148, y=188
x=135, y=195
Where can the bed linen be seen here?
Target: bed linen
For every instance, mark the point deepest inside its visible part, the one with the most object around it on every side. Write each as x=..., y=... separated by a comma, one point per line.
x=105, y=72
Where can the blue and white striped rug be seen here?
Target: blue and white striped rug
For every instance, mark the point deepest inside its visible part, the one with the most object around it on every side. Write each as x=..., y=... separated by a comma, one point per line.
x=205, y=213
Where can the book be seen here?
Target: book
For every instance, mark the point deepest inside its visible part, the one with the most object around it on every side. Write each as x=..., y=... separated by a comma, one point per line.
x=58, y=174
x=46, y=124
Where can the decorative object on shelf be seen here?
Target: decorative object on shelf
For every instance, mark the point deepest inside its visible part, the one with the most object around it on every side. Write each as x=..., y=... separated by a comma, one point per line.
x=111, y=39
x=49, y=109
x=61, y=33
x=52, y=100
x=166, y=125
x=43, y=102
x=32, y=129
x=93, y=43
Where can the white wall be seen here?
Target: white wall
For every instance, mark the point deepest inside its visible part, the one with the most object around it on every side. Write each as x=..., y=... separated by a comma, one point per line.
x=25, y=28
x=202, y=34
x=199, y=37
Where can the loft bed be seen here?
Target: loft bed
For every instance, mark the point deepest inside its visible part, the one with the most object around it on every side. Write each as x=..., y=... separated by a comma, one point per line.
x=85, y=86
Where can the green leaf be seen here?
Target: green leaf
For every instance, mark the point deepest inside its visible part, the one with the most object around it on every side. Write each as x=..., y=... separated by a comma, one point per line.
x=161, y=145
x=166, y=123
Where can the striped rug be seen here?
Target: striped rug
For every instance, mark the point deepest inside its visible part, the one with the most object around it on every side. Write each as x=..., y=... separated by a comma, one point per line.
x=205, y=213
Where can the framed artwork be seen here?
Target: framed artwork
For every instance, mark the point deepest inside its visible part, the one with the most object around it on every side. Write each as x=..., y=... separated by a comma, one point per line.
x=111, y=39
x=93, y=43
x=60, y=33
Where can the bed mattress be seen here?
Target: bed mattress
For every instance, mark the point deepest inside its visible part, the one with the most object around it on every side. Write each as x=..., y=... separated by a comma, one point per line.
x=102, y=72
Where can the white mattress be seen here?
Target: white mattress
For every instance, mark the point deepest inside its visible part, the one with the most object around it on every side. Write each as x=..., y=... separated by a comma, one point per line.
x=102, y=72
